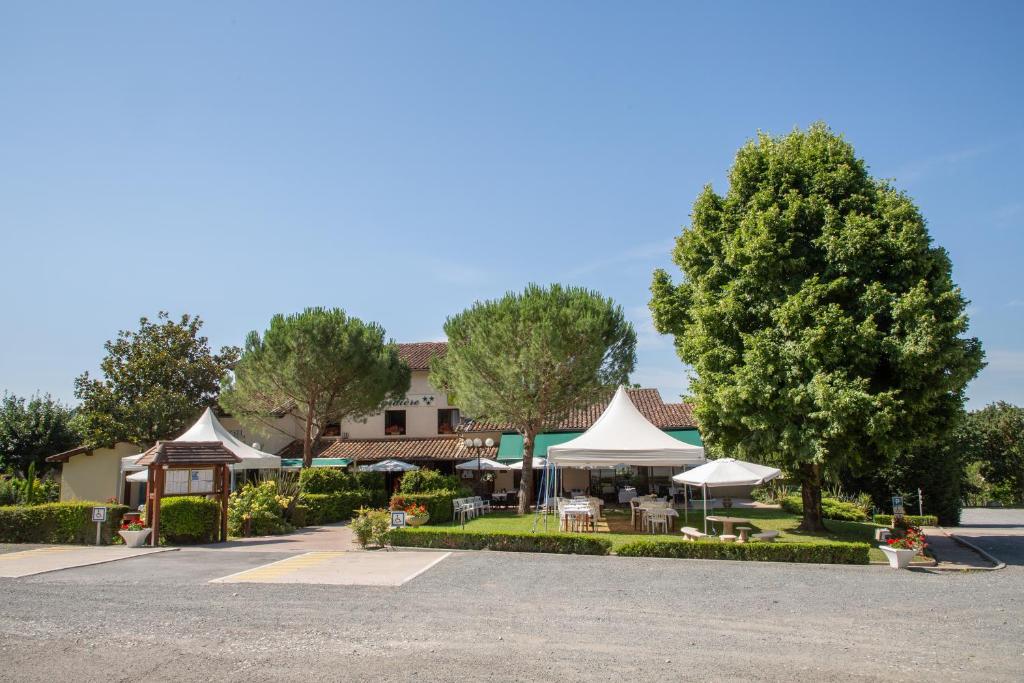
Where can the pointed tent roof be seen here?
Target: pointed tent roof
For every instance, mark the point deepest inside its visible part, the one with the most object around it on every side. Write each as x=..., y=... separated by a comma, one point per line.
x=623, y=436
x=208, y=428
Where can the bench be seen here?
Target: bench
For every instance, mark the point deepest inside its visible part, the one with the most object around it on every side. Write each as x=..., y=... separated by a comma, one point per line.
x=765, y=536
x=692, y=534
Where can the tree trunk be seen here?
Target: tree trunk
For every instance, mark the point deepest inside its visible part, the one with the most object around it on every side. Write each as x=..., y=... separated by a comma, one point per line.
x=307, y=442
x=810, y=491
x=526, y=482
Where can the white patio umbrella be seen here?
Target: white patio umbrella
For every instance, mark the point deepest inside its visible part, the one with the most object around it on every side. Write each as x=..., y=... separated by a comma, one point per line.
x=725, y=472
x=389, y=466
x=481, y=464
x=538, y=464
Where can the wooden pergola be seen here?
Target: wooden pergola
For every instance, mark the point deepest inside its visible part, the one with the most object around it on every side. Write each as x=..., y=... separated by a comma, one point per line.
x=192, y=468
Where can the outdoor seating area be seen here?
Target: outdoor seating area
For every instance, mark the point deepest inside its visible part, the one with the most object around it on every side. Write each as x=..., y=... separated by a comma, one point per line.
x=470, y=508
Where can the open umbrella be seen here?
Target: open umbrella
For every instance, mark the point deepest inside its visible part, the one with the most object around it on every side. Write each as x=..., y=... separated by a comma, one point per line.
x=725, y=472
x=389, y=466
x=482, y=464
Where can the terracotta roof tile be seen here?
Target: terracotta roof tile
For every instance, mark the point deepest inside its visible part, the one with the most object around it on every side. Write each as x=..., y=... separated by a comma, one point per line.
x=647, y=401
x=67, y=455
x=409, y=449
x=188, y=453
x=417, y=355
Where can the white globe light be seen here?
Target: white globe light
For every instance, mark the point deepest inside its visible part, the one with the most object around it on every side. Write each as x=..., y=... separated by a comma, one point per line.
x=489, y=443
x=468, y=443
x=478, y=443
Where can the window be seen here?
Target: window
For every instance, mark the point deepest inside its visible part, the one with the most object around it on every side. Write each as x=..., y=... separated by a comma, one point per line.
x=332, y=429
x=447, y=420
x=394, y=422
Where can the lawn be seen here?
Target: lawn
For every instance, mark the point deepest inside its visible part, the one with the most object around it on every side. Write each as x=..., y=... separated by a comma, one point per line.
x=762, y=519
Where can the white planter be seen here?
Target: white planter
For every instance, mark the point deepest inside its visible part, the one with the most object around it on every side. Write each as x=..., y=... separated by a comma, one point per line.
x=135, y=539
x=899, y=558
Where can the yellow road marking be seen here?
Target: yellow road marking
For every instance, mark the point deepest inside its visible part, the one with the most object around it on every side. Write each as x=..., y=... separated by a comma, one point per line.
x=284, y=567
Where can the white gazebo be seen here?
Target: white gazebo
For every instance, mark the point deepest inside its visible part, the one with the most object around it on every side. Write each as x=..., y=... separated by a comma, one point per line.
x=726, y=472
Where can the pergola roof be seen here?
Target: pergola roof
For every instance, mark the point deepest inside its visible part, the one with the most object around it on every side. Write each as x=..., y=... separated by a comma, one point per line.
x=188, y=453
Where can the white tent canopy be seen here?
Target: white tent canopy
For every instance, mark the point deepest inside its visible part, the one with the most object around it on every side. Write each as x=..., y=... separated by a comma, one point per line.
x=209, y=428
x=389, y=466
x=481, y=464
x=538, y=464
x=623, y=436
x=727, y=472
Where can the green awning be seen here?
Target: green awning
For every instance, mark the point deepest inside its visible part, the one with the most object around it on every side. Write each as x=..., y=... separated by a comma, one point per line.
x=293, y=463
x=511, y=447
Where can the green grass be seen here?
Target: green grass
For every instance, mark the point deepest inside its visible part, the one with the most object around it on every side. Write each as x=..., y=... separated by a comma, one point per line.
x=761, y=520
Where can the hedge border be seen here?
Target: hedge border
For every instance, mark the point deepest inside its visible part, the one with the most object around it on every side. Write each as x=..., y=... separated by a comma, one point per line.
x=916, y=520
x=68, y=522
x=830, y=552
x=326, y=508
x=517, y=542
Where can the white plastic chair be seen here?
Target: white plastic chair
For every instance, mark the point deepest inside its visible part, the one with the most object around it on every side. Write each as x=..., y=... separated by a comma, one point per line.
x=657, y=518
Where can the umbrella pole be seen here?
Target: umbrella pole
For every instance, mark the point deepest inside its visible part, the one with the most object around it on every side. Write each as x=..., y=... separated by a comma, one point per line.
x=686, y=504
x=705, y=509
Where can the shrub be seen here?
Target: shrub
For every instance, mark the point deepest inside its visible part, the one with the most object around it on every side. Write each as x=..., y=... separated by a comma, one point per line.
x=325, y=508
x=916, y=520
x=17, y=491
x=830, y=507
x=438, y=503
x=57, y=523
x=371, y=527
x=428, y=481
x=517, y=542
x=325, y=480
x=257, y=510
x=299, y=515
x=831, y=552
x=189, y=519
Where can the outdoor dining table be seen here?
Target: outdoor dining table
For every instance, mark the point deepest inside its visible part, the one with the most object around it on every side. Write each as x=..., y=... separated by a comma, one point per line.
x=727, y=522
x=672, y=513
x=575, y=510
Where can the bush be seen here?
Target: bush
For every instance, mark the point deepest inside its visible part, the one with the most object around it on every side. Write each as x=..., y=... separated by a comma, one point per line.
x=832, y=552
x=438, y=503
x=189, y=519
x=371, y=527
x=15, y=491
x=257, y=510
x=333, y=480
x=428, y=481
x=830, y=507
x=57, y=523
x=517, y=542
x=299, y=516
x=915, y=520
x=325, y=508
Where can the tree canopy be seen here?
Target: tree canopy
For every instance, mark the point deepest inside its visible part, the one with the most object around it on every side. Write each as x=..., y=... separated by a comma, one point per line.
x=32, y=429
x=155, y=381
x=528, y=359
x=822, y=325
x=321, y=366
x=998, y=448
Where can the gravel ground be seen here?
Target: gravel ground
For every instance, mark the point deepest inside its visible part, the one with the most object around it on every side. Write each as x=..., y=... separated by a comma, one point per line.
x=505, y=616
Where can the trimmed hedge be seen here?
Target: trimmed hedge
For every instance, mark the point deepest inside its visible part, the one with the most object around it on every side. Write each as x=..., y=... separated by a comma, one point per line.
x=325, y=508
x=438, y=503
x=830, y=508
x=189, y=519
x=332, y=480
x=57, y=523
x=832, y=552
x=916, y=520
x=516, y=542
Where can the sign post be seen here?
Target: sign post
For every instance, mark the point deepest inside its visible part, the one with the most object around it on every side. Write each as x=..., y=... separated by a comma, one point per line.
x=897, y=510
x=920, y=504
x=99, y=515
x=397, y=519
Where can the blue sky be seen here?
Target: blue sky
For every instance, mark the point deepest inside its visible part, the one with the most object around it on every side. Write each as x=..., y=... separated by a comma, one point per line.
x=400, y=160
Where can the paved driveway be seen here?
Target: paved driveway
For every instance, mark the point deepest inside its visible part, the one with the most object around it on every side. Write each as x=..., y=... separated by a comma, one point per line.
x=999, y=531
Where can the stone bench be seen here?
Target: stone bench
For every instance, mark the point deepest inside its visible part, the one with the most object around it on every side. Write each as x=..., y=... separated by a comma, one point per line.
x=765, y=536
x=692, y=534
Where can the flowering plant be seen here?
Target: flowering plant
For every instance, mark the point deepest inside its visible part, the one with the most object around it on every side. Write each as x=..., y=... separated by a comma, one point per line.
x=415, y=510
x=133, y=525
x=912, y=539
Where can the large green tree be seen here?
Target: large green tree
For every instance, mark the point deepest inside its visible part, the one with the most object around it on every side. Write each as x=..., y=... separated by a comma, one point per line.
x=528, y=359
x=155, y=381
x=999, y=448
x=32, y=429
x=320, y=366
x=822, y=325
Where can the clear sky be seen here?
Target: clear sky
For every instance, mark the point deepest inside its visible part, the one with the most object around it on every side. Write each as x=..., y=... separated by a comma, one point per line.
x=399, y=160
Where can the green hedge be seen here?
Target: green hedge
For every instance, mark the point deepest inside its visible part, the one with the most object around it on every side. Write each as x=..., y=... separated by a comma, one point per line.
x=429, y=481
x=516, y=542
x=57, y=523
x=325, y=508
x=189, y=519
x=832, y=552
x=331, y=480
x=438, y=503
x=830, y=507
x=916, y=520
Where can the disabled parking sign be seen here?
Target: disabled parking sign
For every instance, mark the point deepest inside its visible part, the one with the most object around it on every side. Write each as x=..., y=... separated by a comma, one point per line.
x=398, y=518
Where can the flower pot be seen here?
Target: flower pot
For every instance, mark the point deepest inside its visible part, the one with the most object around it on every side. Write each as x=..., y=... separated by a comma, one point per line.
x=134, y=539
x=418, y=520
x=899, y=558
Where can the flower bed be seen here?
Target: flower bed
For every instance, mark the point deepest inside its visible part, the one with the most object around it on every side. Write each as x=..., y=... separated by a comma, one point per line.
x=832, y=552
x=451, y=539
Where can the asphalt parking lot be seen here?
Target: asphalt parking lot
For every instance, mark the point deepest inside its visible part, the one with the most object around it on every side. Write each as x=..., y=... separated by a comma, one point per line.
x=504, y=616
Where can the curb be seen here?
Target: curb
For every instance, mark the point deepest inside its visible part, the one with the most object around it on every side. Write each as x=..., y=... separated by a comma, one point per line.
x=996, y=562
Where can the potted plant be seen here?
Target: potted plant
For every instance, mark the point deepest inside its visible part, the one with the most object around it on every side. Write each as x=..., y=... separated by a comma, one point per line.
x=900, y=550
x=416, y=515
x=134, y=533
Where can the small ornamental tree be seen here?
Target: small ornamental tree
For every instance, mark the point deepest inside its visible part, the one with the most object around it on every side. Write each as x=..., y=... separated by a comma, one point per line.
x=823, y=326
x=155, y=381
x=32, y=429
x=320, y=366
x=528, y=359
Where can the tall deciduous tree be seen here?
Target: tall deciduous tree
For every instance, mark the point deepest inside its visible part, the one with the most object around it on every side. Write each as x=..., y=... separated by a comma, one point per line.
x=32, y=429
x=823, y=326
x=528, y=359
x=320, y=366
x=155, y=381
x=999, y=447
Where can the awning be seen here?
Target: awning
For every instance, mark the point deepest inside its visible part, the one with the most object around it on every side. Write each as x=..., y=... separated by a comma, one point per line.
x=296, y=463
x=511, y=447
